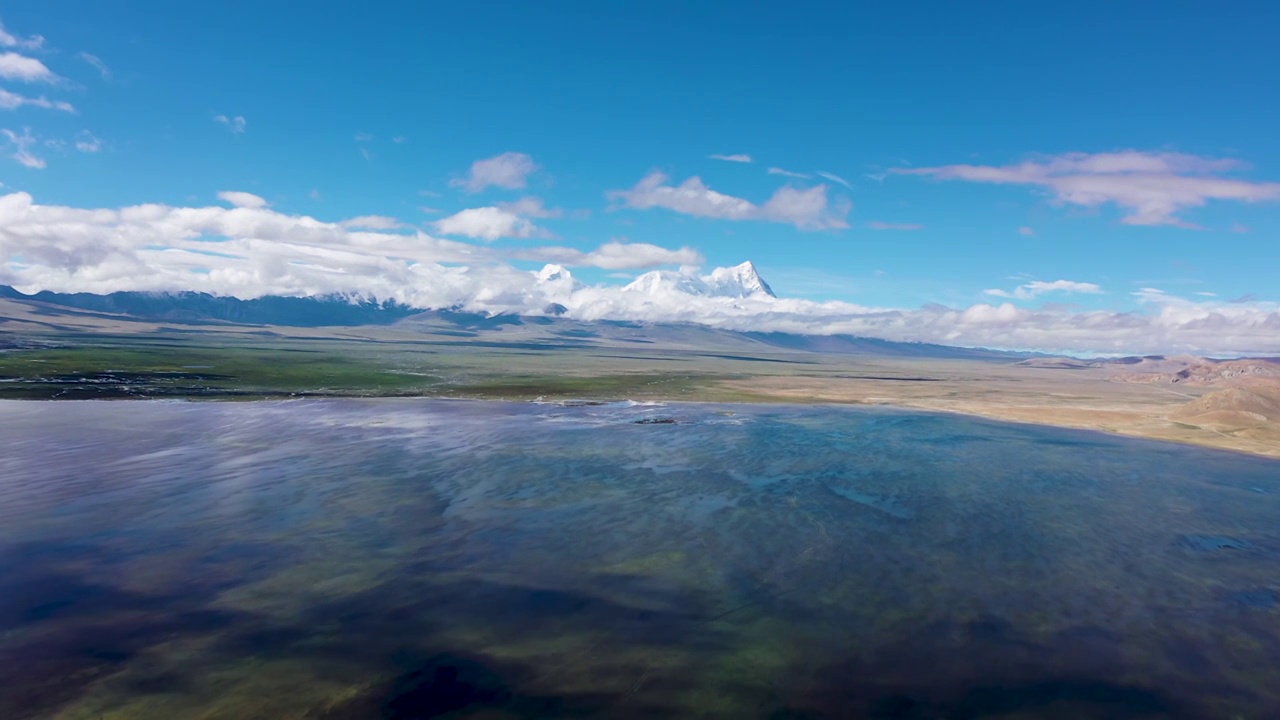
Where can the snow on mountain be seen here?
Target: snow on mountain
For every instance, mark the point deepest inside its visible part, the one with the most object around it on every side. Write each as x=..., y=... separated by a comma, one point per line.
x=553, y=273
x=738, y=281
x=741, y=281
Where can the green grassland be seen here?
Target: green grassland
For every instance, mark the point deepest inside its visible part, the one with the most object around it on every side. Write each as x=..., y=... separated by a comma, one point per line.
x=213, y=367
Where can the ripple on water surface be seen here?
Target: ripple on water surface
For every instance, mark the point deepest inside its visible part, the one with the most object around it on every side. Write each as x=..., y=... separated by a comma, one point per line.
x=413, y=559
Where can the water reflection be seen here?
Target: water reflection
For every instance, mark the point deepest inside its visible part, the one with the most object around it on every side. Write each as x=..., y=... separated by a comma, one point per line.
x=412, y=559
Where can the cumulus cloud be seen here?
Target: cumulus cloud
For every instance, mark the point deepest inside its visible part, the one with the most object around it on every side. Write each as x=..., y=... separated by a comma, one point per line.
x=531, y=207
x=788, y=173
x=97, y=64
x=488, y=223
x=13, y=101
x=21, y=148
x=235, y=124
x=806, y=209
x=510, y=170
x=242, y=199
x=8, y=39
x=738, y=158
x=877, y=225
x=834, y=178
x=1153, y=188
x=251, y=250
x=25, y=69
x=1036, y=288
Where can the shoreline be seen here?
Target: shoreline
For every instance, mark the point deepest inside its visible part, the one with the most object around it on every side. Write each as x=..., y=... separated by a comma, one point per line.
x=1208, y=440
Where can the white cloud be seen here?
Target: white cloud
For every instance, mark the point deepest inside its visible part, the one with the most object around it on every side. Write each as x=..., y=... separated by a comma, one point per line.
x=788, y=173
x=373, y=222
x=806, y=209
x=1153, y=188
x=97, y=64
x=399, y=139
x=235, y=124
x=8, y=39
x=252, y=250
x=22, y=148
x=506, y=220
x=488, y=223
x=616, y=255
x=878, y=225
x=738, y=158
x=242, y=199
x=13, y=101
x=1025, y=231
x=363, y=137
x=509, y=170
x=26, y=69
x=834, y=178
x=86, y=142
x=531, y=207
x=1036, y=288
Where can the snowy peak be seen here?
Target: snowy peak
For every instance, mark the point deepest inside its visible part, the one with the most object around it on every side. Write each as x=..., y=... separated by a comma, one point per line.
x=659, y=282
x=552, y=273
x=741, y=281
x=738, y=281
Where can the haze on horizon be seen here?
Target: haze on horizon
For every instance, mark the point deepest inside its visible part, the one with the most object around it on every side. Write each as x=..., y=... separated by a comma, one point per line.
x=1092, y=178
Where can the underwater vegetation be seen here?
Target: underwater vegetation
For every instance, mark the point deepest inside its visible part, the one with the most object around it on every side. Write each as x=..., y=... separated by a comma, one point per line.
x=336, y=559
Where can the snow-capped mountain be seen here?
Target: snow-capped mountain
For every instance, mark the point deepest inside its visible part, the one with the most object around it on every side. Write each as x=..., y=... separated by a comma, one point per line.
x=738, y=281
x=741, y=281
x=554, y=273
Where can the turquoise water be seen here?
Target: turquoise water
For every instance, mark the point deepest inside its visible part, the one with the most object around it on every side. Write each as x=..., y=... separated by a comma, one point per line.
x=403, y=559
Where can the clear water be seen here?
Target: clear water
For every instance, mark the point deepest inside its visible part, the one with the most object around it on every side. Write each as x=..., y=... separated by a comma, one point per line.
x=415, y=559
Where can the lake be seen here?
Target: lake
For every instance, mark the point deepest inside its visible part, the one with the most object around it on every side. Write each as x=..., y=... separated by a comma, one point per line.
x=398, y=559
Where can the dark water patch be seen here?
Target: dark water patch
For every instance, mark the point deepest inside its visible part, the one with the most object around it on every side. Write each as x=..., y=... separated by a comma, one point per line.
x=58, y=665
x=663, y=420
x=751, y=358
x=1261, y=599
x=455, y=685
x=1213, y=543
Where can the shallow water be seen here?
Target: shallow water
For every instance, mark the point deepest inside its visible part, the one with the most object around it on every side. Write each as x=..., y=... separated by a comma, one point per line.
x=405, y=559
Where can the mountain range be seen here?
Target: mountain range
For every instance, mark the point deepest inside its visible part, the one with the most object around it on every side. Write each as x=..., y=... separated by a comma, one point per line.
x=728, y=284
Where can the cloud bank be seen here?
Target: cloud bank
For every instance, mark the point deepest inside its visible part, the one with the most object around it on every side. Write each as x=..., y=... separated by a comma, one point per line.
x=249, y=250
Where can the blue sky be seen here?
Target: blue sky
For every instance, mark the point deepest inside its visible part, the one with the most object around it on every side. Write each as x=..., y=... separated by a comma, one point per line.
x=977, y=148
